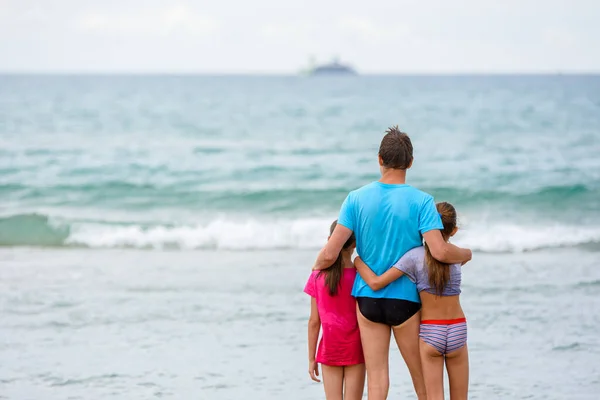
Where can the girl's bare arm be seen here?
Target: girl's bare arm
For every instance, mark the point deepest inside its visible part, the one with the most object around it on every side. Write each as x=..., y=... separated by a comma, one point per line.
x=375, y=281
x=314, y=325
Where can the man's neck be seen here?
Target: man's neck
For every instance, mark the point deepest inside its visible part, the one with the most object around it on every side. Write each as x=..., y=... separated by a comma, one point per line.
x=393, y=176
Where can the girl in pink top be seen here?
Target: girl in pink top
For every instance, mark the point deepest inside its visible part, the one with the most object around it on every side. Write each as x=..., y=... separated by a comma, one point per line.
x=334, y=309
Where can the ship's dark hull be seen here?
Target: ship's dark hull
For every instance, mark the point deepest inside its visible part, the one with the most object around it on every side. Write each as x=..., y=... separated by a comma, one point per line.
x=333, y=70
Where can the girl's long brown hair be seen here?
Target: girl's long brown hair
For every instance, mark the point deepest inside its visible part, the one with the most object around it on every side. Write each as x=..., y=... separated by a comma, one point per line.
x=439, y=273
x=333, y=274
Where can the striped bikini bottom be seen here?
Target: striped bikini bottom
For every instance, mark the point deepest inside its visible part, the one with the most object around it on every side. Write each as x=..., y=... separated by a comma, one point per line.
x=445, y=335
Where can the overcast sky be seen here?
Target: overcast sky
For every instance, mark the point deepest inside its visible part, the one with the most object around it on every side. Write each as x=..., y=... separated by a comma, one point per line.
x=279, y=36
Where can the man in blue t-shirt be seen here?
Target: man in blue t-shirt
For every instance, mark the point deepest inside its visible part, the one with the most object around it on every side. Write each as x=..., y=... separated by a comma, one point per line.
x=388, y=218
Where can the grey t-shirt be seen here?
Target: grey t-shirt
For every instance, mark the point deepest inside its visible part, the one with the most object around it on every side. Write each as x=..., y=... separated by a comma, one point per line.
x=413, y=265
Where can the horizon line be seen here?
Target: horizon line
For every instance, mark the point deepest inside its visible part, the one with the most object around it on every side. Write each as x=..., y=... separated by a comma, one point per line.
x=298, y=74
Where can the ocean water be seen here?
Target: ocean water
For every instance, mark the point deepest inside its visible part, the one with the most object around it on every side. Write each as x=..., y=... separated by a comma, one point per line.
x=156, y=231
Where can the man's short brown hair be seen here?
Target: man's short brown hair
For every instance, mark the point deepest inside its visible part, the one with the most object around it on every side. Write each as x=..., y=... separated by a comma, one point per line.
x=396, y=150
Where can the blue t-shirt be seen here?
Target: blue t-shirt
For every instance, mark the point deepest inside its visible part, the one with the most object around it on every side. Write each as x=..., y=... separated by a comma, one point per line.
x=388, y=220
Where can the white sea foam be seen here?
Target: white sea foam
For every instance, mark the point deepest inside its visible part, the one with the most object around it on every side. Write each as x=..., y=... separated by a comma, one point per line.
x=512, y=238
x=217, y=234
x=311, y=234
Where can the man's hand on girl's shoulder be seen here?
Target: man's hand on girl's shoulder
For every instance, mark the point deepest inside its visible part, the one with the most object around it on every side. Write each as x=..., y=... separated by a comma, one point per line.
x=470, y=255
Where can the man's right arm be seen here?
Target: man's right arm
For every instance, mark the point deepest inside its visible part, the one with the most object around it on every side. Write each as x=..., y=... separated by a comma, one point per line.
x=332, y=248
x=340, y=235
x=444, y=251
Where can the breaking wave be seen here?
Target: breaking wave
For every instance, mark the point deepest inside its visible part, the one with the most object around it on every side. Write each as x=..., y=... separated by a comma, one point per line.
x=261, y=234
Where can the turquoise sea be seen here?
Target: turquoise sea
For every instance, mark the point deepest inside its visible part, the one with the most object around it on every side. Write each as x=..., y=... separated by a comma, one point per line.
x=156, y=231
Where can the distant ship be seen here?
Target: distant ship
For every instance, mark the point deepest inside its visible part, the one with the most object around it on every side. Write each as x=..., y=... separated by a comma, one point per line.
x=333, y=68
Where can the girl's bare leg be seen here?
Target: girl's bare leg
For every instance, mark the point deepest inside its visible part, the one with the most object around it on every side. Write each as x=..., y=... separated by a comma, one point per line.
x=407, y=339
x=333, y=382
x=354, y=382
x=375, y=340
x=433, y=371
x=457, y=364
